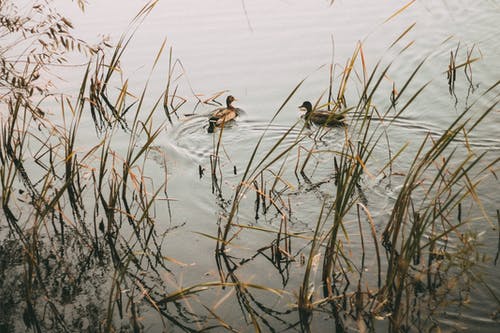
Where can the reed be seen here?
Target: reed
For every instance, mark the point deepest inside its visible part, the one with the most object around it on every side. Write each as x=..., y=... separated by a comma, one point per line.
x=84, y=219
x=82, y=211
x=440, y=178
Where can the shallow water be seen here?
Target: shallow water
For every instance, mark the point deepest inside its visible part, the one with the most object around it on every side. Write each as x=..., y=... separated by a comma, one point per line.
x=259, y=51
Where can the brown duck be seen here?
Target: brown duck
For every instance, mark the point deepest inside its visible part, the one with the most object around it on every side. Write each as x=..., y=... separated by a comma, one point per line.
x=320, y=117
x=223, y=115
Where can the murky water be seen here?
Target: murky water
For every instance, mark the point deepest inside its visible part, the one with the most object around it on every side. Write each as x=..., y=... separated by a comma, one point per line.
x=259, y=51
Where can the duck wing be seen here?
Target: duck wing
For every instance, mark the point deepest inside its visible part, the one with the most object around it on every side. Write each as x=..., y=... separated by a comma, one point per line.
x=327, y=118
x=225, y=115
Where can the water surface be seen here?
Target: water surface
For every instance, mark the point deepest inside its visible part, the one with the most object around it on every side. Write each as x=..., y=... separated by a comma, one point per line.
x=259, y=51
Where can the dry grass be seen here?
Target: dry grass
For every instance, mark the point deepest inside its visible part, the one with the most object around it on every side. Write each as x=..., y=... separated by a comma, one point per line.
x=82, y=230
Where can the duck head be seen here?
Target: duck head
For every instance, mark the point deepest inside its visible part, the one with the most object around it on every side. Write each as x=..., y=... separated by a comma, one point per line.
x=229, y=100
x=306, y=106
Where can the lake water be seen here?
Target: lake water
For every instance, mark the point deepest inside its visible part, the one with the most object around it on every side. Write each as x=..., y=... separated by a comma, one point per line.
x=259, y=51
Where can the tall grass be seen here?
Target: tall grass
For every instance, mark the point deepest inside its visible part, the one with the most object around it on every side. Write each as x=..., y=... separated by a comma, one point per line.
x=439, y=180
x=85, y=218
x=81, y=217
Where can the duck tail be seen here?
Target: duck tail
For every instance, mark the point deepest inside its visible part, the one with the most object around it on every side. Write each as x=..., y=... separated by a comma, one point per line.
x=211, y=125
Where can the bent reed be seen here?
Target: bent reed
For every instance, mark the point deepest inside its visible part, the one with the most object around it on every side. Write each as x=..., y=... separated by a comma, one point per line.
x=83, y=244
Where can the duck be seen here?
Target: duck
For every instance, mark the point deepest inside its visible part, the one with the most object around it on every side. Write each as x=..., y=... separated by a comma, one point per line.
x=222, y=116
x=321, y=117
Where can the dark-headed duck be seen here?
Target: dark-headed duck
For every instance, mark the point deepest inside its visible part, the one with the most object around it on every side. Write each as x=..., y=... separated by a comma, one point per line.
x=322, y=118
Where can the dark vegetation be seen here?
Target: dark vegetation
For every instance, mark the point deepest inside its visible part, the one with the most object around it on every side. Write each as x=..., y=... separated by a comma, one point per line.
x=81, y=248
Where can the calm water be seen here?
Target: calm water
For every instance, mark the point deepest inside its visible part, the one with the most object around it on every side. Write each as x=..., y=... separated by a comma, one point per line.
x=259, y=51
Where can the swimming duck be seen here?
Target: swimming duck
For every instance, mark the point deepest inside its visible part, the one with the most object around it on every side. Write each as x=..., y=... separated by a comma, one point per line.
x=223, y=115
x=320, y=117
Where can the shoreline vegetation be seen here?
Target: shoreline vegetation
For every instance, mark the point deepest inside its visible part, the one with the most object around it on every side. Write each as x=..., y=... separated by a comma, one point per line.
x=82, y=246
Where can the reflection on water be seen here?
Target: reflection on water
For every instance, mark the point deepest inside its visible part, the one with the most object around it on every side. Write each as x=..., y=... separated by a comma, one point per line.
x=260, y=53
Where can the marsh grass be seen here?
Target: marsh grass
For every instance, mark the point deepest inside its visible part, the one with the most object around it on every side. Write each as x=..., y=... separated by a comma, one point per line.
x=81, y=214
x=84, y=228
x=413, y=252
x=82, y=220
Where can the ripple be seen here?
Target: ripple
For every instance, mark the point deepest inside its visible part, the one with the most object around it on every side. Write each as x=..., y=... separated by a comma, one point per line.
x=190, y=138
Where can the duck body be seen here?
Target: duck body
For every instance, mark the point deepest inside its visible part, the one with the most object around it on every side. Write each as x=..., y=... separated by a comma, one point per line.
x=222, y=116
x=321, y=117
